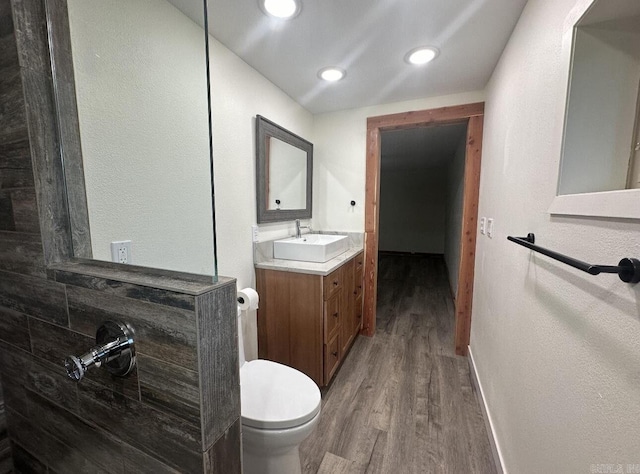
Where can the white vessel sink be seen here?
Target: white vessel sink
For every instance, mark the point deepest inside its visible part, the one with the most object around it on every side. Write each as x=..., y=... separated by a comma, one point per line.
x=311, y=247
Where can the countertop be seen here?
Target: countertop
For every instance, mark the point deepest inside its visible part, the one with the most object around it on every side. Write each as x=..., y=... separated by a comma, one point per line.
x=311, y=268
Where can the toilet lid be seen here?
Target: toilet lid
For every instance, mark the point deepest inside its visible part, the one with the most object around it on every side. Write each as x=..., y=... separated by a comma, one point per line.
x=275, y=396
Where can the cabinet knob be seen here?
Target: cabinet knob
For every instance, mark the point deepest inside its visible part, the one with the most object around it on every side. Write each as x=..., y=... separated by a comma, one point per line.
x=335, y=282
x=335, y=315
x=335, y=353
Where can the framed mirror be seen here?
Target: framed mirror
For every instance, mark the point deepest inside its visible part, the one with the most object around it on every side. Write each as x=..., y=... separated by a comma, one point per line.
x=284, y=170
x=139, y=158
x=601, y=139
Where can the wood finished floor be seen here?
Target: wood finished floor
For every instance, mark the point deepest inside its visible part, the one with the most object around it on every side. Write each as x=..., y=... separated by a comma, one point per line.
x=403, y=402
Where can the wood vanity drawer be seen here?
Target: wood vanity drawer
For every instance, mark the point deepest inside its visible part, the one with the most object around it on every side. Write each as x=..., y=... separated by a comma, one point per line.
x=332, y=283
x=331, y=357
x=331, y=316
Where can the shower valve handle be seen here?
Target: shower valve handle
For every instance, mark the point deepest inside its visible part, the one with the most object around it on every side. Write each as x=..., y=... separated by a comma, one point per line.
x=115, y=350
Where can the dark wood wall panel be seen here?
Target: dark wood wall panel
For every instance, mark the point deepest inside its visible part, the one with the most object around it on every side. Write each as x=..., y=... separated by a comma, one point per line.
x=50, y=306
x=218, y=361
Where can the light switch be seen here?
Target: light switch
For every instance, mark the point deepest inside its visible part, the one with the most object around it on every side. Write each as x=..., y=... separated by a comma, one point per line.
x=483, y=222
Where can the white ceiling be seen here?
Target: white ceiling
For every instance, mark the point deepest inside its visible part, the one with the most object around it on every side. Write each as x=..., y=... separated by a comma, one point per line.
x=367, y=38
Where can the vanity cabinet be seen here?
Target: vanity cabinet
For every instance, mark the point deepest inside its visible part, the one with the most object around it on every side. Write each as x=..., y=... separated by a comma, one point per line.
x=309, y=322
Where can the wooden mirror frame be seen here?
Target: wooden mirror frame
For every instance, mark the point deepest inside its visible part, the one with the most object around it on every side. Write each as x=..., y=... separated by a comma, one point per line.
x=265, y=129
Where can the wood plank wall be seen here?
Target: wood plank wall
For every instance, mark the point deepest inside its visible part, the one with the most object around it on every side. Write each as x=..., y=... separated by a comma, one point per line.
x=154, y=421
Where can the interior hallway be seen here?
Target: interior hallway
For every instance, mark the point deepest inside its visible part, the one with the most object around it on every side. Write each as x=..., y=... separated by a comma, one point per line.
x=403, y=401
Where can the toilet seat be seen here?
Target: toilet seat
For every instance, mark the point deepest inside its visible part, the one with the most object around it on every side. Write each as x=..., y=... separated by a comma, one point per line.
x=275, y=396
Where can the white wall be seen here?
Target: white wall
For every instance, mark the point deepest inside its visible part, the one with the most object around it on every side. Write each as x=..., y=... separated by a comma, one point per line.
x=339, y=158
x=287, y=171
x=239, y=94
x=557, y=350
x=412, y=208
x=141, y=88
x=453, y=217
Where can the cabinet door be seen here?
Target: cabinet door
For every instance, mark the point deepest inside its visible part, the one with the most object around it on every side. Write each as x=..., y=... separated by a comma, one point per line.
x=332, y=316
x=331, y=358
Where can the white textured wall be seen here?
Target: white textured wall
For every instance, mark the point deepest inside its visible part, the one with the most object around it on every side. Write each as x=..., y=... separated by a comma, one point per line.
x=287, y=176
x=339, y=152
x=140, y=81
x=239, y=94
x=557, y=350
x=412, y=208
x=453, y=217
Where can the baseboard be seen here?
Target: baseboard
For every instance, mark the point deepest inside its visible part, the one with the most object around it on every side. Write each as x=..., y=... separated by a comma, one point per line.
x=495, y=447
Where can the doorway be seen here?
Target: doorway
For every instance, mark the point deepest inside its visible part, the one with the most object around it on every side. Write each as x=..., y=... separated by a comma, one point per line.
x=472, y=115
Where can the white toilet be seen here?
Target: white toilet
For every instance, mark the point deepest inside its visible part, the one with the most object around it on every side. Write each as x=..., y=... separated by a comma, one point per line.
x=280, y=408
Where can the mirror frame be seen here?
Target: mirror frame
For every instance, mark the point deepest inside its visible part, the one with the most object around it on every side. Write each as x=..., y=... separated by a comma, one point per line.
x=265, y=128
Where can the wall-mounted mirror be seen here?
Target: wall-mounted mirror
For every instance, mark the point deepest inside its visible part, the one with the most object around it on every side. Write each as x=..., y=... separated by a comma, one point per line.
x=284, y=165
x=601, y=149
x=139, y=73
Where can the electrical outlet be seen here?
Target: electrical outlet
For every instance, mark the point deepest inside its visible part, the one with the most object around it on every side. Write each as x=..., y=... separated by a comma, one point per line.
x=483, y=223
x=121, y=251
x=490, y=227
x=254, y=233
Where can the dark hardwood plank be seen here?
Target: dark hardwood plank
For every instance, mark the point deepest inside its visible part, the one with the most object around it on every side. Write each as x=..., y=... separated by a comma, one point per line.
x=25, y=210
x=12, y=117
x=127, y=290
x=178, y=282
x=47, y=167
x=97, y=445
x=8, y=49
x=31, y=34
x=46, y=379
x=169, y=388
x=25, y=463
x=218, y=361
x=45, y=299
x=403, y=401
x=57, y=455
x=15, y=397
x=225, y=456
x=137, y=462
x=162, y=436
x=15, y=178
x=15, y=153
x=14, y=329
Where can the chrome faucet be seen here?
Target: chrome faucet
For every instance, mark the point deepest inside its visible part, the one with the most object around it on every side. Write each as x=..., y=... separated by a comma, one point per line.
x=298, y=227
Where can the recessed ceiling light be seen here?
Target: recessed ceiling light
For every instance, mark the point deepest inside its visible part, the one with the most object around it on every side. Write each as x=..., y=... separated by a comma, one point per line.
x=421, y=55
x=283, y=9
x=331, y=74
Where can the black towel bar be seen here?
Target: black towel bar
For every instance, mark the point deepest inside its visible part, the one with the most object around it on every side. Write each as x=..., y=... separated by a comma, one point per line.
x=628, y=269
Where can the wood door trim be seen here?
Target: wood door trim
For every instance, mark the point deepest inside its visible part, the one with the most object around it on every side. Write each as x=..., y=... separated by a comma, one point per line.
x=473, y=115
